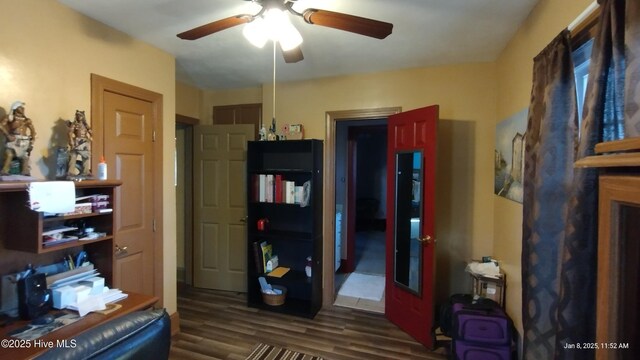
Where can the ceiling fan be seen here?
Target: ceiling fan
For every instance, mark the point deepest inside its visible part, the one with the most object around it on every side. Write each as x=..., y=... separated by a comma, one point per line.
x=292, y=53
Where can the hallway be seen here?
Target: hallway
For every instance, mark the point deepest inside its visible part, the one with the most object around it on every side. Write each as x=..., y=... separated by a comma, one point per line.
x=370, y=270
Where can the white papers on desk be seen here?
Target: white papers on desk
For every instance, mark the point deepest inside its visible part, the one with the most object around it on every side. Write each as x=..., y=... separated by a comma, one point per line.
x=490, y=269
x=97, y=302
x=52, y=196
x=76, y=275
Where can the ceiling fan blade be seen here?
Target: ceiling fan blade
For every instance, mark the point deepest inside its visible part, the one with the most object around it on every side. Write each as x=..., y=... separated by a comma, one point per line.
x=292, y=56
x=351, y=23
x=210, y=28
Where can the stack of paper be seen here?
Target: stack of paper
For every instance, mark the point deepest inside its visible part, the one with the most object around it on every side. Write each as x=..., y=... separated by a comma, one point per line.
x=52, y=196
x=97, y=302
x=72, y=276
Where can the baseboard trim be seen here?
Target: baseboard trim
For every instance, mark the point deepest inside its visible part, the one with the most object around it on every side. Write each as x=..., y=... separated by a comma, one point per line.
x=175, y=323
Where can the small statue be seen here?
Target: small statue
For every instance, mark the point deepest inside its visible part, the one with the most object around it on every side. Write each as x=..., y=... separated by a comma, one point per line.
x=62, y=162
x=271, y=135
x=80, y=137
x=262, y=134
x=20, y=135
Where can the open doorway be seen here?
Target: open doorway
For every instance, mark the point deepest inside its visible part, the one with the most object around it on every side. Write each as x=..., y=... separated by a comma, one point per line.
x=360, y=184
x=183, y=182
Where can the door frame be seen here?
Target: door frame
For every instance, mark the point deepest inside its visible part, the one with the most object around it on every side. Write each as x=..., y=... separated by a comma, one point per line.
x=188, y=123
x=100, y=85
x=332, y=117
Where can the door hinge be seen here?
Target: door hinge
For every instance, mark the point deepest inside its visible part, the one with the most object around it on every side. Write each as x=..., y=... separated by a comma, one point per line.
x=153, y=136
x=154, y=225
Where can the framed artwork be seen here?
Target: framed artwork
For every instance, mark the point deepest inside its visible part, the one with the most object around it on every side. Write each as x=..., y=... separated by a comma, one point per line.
x=293, y=131
x=509, y=156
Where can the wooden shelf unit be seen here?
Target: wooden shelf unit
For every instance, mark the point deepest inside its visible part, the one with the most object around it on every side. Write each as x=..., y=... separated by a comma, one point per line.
x=618, y=290
x=21, y=228
x=21, y=244
x=294, y=232
x=133, y=302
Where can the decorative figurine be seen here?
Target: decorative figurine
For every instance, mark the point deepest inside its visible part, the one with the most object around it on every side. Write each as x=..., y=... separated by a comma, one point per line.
x=62, y=162
x=271, y=135
x=80, y=137
x=262, y=134
x=20, y=135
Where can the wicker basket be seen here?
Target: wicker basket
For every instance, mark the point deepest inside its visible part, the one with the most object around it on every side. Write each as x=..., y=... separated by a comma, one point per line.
x=273, y=299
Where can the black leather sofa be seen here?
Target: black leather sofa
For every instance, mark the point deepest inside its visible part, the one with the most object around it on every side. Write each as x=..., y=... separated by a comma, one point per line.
x=138, y=335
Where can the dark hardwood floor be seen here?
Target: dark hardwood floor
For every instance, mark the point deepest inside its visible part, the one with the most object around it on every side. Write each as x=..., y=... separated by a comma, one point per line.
x=218, y=325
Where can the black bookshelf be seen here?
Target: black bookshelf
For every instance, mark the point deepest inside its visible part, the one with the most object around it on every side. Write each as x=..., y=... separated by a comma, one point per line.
x=294, y=232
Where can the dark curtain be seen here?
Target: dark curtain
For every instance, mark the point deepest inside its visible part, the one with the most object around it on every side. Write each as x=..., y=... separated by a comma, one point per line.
x=603, y=121
x=550, y=145
x=604, y=101
x=560, y=203
x=632, y=77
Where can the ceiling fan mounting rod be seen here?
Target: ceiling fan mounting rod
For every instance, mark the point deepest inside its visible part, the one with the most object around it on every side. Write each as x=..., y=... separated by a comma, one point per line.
x=277, y=4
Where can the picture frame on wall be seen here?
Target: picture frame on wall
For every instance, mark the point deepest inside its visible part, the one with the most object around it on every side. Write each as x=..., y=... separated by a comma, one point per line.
x=509, y=156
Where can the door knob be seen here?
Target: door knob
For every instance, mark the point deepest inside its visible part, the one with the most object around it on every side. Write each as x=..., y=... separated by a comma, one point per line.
x=244, y=219
x=427, y=240
x=120, y=250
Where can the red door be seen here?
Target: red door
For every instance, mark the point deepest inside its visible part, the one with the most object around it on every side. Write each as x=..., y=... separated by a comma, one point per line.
x=410, y=255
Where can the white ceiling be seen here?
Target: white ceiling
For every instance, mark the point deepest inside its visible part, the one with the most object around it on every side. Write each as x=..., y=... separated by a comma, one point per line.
x=425, y=33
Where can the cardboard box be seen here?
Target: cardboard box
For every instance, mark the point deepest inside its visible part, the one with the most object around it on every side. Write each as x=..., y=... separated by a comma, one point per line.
x=490, y=288
x=82, y=208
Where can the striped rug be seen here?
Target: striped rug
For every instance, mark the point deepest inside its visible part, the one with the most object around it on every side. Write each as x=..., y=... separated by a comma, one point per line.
x=270, y=352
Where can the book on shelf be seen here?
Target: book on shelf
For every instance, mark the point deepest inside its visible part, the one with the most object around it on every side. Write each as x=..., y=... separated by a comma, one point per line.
x=289, y=191
x=46, y=242
x=297, y=195
x=266, y=252
x=269, y=188
x=255, y=187
x=278, y=189
x=52, y=232
x=257, y=257
x=273, y=188
x=262, y=187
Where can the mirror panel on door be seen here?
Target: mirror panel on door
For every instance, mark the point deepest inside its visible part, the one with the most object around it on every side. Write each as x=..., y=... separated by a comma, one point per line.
x=408, y=221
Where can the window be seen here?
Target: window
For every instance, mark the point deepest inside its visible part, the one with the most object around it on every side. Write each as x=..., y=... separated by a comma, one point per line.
x=582, y=41
x=581, y=60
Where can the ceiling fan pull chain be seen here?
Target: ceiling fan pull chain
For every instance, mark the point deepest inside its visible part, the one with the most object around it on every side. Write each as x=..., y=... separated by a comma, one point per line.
x=273, y=119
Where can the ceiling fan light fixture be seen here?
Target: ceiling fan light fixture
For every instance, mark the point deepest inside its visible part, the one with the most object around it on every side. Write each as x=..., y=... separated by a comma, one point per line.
x=256, y=32
x=275, y=22
x=290, y=38
x=274, y=25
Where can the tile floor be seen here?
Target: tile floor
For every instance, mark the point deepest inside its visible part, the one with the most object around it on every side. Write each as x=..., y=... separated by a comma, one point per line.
x=361, y=304
x=370, y=252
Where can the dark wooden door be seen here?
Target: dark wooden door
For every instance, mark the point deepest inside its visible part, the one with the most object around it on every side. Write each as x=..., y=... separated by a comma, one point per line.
x=250, y=114
x=413, y=311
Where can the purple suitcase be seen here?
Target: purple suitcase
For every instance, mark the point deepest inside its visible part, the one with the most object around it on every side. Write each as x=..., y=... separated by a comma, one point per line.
x=465, y=350
x=487, y=325
x=481, y=331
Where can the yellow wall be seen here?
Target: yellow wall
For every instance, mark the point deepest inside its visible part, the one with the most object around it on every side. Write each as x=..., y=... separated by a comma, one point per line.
x=467, y=98
x=515, y=66
x=473, y=98
x=48, y=54
x=188, y=100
